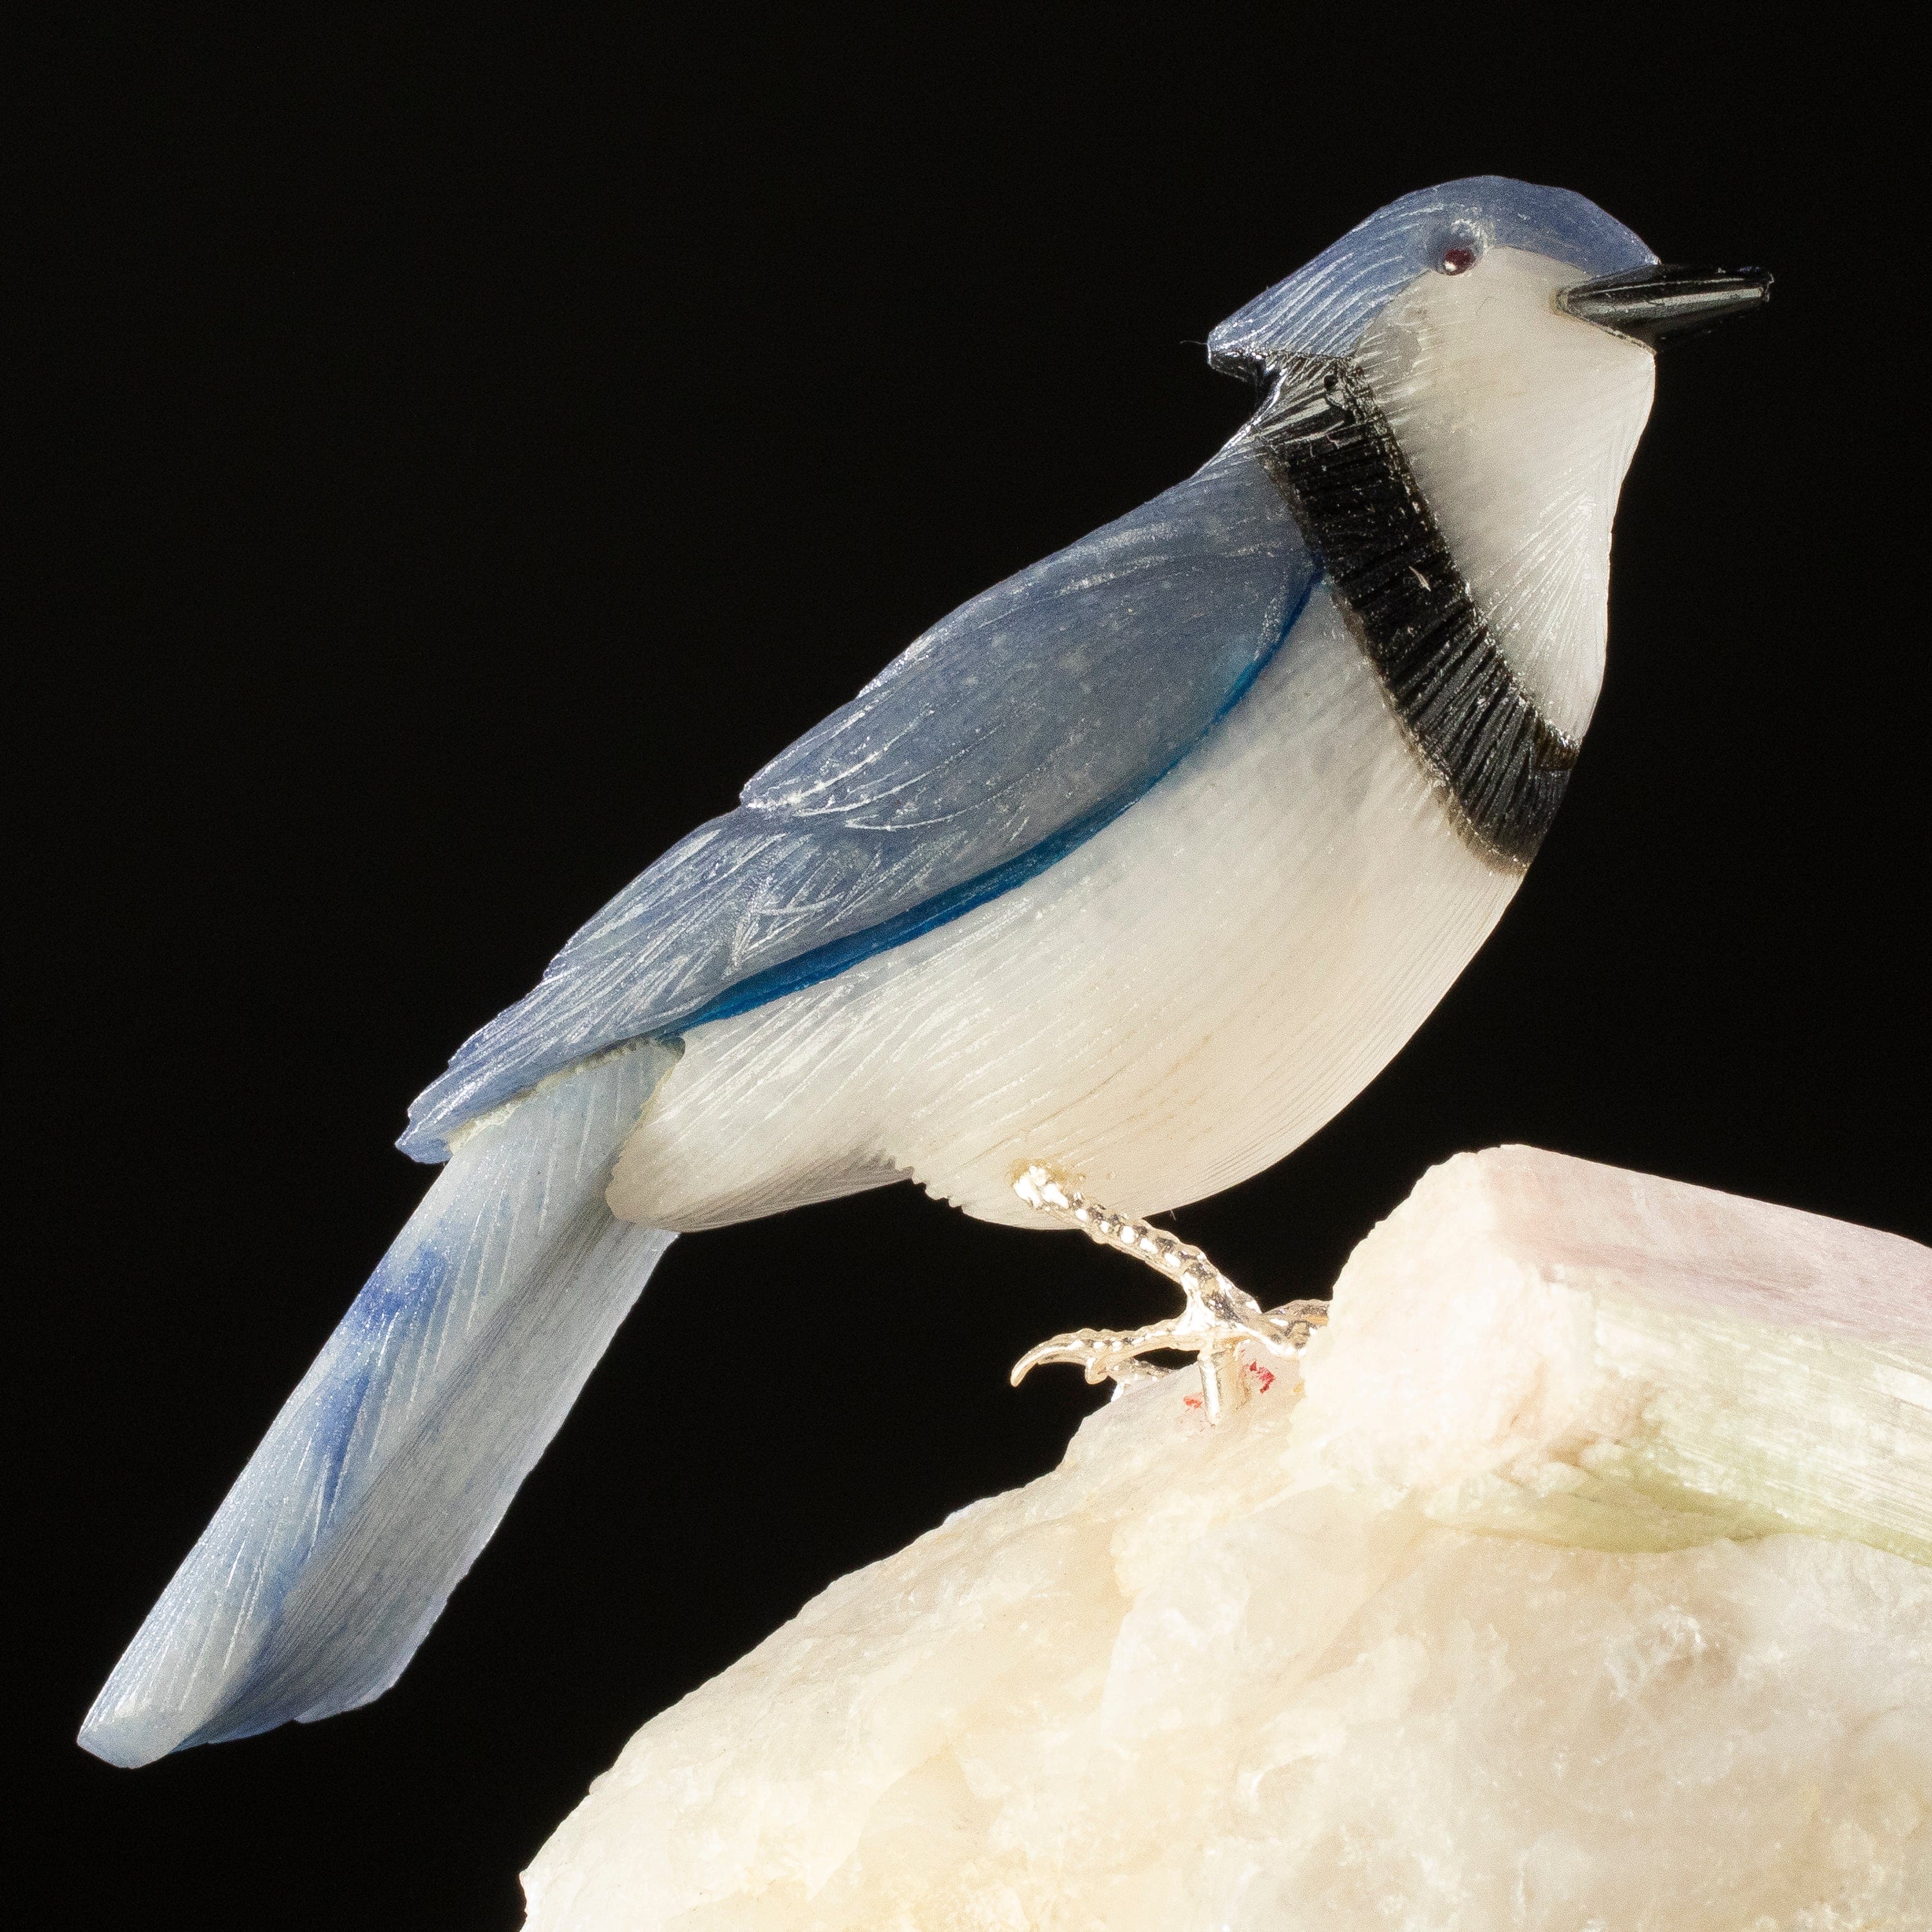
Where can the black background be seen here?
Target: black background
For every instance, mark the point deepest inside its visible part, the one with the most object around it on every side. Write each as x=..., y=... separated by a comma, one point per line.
x=454, y=461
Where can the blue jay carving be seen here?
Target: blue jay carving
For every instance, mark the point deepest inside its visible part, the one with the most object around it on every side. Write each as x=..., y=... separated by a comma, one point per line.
x=1134, y=869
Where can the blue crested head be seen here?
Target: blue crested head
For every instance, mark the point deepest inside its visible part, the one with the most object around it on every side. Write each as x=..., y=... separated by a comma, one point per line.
x=1322, y=310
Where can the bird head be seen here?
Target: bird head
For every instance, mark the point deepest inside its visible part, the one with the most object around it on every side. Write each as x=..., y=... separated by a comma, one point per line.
x=1505, y=335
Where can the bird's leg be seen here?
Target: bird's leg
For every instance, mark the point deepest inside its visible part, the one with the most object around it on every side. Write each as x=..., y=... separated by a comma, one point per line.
x=1218, y=1318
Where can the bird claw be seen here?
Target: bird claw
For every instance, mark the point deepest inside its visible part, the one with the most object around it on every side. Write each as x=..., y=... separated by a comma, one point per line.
x=1218, y=1317
x=1100, y=1354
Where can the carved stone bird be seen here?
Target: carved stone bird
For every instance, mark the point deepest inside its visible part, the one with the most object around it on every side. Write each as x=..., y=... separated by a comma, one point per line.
x=1127, y=875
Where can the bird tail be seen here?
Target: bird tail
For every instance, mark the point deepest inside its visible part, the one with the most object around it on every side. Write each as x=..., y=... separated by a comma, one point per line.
x=390, y=1465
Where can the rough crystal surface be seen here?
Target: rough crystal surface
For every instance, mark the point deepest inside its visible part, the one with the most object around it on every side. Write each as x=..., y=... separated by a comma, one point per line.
x=1587, y=1585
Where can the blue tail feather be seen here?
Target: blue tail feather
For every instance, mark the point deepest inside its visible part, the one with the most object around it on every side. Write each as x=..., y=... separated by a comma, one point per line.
x=390, y=1466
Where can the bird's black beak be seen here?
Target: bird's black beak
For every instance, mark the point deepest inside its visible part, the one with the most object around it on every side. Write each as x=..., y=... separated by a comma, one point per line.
x=1648, y=304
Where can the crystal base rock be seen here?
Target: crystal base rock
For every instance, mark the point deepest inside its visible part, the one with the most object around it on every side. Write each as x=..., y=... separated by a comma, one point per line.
x=1586, y=1584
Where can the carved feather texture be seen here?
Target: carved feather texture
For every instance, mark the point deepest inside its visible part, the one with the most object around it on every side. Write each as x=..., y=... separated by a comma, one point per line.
x=1046, y=704
x=1169, y=1009
x=390, y=1466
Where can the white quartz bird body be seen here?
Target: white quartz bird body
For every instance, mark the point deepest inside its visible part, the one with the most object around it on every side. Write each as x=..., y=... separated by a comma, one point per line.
x=1141, y=865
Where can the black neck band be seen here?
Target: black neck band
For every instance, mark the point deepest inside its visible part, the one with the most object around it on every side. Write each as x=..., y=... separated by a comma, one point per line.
x=1332, y=454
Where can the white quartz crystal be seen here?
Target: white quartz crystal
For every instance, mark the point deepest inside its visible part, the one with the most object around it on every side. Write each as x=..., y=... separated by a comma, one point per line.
x=1586, y=1588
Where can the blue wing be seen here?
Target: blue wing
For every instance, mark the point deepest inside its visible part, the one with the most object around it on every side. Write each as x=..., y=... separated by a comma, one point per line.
x=1011, y=730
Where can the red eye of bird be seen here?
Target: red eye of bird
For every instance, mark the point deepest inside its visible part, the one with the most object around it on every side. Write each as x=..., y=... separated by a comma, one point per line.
x=1458, y=260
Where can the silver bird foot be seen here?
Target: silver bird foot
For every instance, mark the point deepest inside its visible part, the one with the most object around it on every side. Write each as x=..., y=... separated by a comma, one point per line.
x=1217, y=1319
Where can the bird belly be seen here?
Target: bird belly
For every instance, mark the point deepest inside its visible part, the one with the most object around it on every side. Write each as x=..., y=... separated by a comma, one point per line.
x=1169, y=1008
